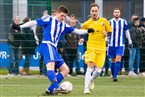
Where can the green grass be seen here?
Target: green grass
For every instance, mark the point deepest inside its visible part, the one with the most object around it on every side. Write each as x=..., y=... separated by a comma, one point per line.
x=34, y=86
x=5, y=71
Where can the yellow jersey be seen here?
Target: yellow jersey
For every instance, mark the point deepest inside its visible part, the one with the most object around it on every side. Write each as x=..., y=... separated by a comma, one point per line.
x=97, y=40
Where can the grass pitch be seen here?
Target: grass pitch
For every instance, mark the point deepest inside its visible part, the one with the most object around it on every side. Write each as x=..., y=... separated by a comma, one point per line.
x=35, y=86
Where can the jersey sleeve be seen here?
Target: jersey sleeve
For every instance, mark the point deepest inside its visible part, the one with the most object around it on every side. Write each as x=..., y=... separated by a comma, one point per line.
x=125, y=26
x=108, y=27
x=43, y=20
x=69, y=29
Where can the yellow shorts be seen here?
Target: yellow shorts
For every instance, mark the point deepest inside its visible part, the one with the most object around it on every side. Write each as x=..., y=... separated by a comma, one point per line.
x=96, y=56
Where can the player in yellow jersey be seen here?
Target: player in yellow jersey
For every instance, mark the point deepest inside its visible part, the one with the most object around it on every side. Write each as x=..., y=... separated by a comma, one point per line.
x=96, y=46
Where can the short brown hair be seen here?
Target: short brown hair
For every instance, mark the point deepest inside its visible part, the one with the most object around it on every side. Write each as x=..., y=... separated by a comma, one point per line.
x=62, y=9
x=94, y=5
x=116, y=9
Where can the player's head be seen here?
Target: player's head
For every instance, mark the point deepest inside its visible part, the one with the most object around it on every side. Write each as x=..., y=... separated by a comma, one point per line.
x=62, y=12
x=116, y=13
x=17, y=20
x=94, y=11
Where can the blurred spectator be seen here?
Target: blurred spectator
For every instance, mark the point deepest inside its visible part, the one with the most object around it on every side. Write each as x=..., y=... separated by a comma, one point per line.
x=72, y=46
x=131, y=20
x=53, y=12
x=81, y=40
x=133, y=52
x=142, y=48
x=125, y=58
x=28, y=46
x=39, y=33
x=14, y=40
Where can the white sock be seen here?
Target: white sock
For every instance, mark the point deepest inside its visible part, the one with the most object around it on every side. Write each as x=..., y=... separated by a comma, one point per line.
x=95, y=74
x=88, y=77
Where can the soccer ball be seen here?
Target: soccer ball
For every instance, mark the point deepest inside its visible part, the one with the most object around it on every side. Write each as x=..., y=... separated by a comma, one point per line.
x=67, y=86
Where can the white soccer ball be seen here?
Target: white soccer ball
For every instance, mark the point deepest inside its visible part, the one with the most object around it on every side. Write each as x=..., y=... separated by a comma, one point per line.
x=67, y=86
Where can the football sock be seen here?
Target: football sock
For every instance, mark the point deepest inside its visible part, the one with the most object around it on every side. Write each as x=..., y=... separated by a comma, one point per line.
x=112, y=69
x=95, y=74
x=88, y=76
x=117, y=68
x=59, y=77
x=52, y=77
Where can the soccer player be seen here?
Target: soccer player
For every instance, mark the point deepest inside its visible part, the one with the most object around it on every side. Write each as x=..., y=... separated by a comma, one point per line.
x=117, y=41
x=54, y=29
x=96, y=46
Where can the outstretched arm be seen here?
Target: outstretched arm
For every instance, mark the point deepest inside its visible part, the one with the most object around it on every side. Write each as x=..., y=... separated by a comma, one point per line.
x=28, y=24
x=128, y=37
x=81, y=31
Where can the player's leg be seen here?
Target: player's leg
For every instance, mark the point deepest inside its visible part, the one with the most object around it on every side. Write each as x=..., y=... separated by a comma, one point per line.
x=111, y=53
x=99, y=62
x=50, y=56
x=88, y=75
x=89, y=60
x=52, y=76
x=119, y=54
x=64, y=70
x=117, y=67
x=113, y=60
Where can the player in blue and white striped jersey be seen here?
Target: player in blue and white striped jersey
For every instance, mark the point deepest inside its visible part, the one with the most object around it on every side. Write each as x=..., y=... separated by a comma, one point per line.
x=116, y=44
x=54, y=29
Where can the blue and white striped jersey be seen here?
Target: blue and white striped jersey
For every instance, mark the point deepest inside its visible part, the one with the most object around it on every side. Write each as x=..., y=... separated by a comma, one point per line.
x=53, y=29
x=119, y=29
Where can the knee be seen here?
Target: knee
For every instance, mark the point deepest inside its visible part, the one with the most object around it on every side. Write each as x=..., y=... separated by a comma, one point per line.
x=65, y=71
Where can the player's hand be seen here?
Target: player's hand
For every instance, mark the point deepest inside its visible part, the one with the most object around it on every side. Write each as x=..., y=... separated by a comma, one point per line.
x=91, y=30
x=16, y=27
x=130, y=46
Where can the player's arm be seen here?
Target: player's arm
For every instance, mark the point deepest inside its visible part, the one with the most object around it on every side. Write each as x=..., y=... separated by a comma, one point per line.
x=128, y=37
x=71, y=29
x=82, y=31
x=40, y=22
x=28, y=24
x=108, y=28
x=127, y=33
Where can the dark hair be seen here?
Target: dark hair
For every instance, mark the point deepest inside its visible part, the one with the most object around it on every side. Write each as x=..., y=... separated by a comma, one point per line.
x=73, y=15
x=62, y=9
x=26, y=19
x=94, y=5
x=135, y=19
x=142, y=20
